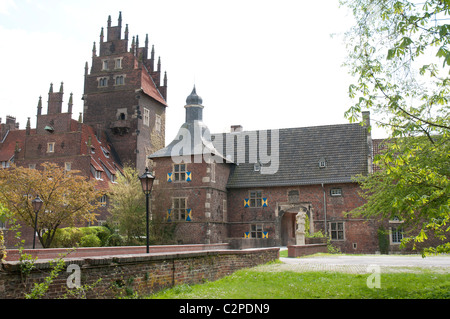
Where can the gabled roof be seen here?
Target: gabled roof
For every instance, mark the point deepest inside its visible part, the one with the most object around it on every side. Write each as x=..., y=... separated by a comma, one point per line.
x=344, y=148
x=8, y=145
x=98, y=159
x=148, y=87
x=193, y=138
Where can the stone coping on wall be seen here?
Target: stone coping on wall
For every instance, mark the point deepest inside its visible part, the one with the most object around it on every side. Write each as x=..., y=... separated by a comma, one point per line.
x=302, y=250
x=53, y=253
x=102, y=260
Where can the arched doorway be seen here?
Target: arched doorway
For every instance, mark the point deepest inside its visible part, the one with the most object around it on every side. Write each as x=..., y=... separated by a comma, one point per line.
x=288, y=221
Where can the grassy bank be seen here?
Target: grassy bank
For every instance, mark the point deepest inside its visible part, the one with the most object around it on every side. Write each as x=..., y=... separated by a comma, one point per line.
x=257, y=283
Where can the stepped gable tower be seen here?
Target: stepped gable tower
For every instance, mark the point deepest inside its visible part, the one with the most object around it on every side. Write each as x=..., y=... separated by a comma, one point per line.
x=125, y=96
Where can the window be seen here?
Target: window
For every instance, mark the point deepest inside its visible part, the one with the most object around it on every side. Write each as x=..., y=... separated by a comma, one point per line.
x=67, y=166
x=179, y=172
x=102, y=82
x=146, y=117
x=322, y=162
x=105, y=65
x=119, y=80
x=255, y=198
x=103, y=200
x=51, y=147
x=158, y=123
x=336, y=192
x=337, y=230
x=213, y=172
x=118, y=63
x=2, y=225
x=98, y=174
x=32, y=166
x=179, y=208
x=256, y=231
x=396, y=235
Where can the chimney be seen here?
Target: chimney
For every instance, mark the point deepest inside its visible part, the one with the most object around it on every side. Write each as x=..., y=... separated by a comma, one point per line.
x=236, y=128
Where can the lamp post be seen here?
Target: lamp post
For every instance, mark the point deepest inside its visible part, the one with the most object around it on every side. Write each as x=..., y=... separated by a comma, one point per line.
x=37, y=204
x=147, y=184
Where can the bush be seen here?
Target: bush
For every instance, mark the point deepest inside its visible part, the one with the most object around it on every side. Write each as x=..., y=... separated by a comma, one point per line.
x=90, y=240
x=95, y=236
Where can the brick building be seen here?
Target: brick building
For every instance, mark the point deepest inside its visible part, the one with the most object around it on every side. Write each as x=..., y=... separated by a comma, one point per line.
x=123, y=122
x=242, y=187
x=124, y=97
x=247, y=187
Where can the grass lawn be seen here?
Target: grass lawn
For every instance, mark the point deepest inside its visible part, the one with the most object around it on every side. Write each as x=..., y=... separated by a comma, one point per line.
x=257, y=283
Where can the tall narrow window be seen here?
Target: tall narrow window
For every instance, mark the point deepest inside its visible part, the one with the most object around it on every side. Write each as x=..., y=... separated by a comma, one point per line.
x=105, y=65
x=396, y=235
x=146, y=117
x=103, y=200
x=51, y=147
x=213, y=172
x=118, y=63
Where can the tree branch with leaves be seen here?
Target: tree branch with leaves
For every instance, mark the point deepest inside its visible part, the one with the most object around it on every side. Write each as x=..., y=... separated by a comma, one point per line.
x=399, y=56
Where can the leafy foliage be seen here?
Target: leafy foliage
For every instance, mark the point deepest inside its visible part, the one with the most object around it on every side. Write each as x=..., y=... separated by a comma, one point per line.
x=68, y=198
x=398, y=52
x=128, y=209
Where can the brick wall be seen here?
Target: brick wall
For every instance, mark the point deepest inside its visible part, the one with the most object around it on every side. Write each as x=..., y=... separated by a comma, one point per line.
x=141, y=273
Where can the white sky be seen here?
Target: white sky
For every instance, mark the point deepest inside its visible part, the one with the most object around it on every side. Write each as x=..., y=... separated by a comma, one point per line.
x=261, y=64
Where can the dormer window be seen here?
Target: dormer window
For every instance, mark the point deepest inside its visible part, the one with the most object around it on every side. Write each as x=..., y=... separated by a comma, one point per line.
x=322, y=162
x=105, y=152
x=98, y=174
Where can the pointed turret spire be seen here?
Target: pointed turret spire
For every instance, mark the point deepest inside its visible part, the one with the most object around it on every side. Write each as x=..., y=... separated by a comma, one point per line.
x=70, y=104
x=109, y=21
x=102, y=36
x=51, y=88
x=28, y=127
x=120, y=19
x=94, y=50
x=126, y=32
x=39, y=106
x=61, y=88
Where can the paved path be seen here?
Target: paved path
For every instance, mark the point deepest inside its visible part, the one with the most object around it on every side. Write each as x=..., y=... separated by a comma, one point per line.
x=365, y=264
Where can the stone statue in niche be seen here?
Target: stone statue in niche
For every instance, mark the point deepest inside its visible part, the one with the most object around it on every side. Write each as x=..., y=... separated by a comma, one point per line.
x=300, y=231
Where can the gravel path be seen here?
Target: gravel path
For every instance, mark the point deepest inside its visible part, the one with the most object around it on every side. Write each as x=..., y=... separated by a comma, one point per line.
x=363, y=264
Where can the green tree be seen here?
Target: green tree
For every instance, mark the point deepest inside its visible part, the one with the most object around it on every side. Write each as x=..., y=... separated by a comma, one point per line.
x=399, y=55
x=128, y=209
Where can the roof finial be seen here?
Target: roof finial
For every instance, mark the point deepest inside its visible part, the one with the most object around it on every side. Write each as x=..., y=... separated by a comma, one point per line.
x=51, y=88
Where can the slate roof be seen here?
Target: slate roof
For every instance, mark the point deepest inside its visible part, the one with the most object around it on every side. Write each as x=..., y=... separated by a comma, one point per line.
x=193, y=138
x=344, y=147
